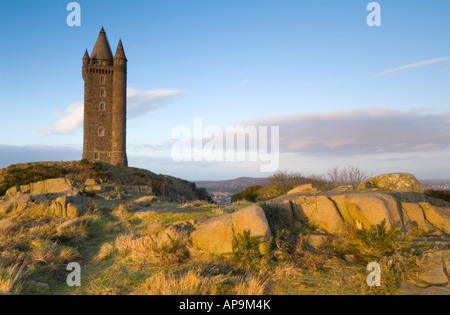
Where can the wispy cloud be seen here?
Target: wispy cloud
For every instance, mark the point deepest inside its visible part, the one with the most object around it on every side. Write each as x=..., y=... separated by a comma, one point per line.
x=142, y=102
x=365, y=132
x=68, y=121
x=420, y=64
x=139, y=103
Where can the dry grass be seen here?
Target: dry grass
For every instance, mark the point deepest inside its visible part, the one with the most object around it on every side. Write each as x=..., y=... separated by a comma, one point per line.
x=168, y=247
x=192, y=283
x=198, y=282
x=10, y=279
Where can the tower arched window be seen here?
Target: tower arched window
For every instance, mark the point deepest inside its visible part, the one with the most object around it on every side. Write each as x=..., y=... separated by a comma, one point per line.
x=102, y=92
x=102, y=106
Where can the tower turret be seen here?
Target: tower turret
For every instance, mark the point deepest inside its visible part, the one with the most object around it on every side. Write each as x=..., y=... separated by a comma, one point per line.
x=86, y=62
x=119, y=156
x=101, y=54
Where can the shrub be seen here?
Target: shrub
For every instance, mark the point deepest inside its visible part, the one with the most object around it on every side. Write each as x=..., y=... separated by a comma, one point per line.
x=276, y=217
x=438, y=194
x=250, y=194
x=347, y=176
x=246, y=250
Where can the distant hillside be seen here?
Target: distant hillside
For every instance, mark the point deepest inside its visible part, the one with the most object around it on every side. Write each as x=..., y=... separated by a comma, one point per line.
x=79, y=171
x=221, y=191
x=436, y=184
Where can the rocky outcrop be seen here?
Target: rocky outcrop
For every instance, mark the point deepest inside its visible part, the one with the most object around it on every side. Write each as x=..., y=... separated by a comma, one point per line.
x=67, y=207
x=393, y=182
x=432, y=278
x=18, y=202
x=367, y=209
x=319, y=211
x=438, y=217
x=308, y=188
x=395, y=199
x=54, y=186
x=217, y=235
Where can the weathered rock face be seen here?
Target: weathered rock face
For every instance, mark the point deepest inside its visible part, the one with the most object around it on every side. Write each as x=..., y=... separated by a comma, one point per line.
x=438, y=217
x=308, y=188
x=54, y=186
x=217, y=235
x=18, y=202
x=432, y=278
x=67, y=207
x=368, y=209
x=393, y=182
x=414, y=213
x=330, y=213
x=319, y=211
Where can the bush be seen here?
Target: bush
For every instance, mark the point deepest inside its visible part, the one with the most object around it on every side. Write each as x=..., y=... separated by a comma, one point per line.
x=276, y=217
x=250, y=194
x=438, y=194
x=246, y=250
x=347, y=176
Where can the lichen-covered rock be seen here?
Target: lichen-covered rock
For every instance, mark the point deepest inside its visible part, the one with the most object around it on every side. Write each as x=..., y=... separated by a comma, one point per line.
x=400, y=182
x=91, y=182
x=308, y=188
x=54, y=186
x=217, y=235
x=317, y=241
x=25, y=189
x=438, y=217
x=368, y=209
x=320, y=212
x=67, y=207
x=414, y=213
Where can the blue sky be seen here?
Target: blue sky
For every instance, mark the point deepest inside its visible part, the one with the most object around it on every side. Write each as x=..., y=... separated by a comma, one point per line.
x=340, y=91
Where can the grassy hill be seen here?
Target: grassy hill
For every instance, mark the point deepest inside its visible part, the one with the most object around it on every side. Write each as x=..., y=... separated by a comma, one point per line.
x=169, y=187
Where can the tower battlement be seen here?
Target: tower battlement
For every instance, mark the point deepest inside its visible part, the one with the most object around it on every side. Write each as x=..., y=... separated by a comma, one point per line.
x=105, y=103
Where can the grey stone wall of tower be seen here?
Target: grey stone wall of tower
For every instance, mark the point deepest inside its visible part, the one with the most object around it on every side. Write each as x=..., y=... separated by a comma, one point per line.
x=105, y=103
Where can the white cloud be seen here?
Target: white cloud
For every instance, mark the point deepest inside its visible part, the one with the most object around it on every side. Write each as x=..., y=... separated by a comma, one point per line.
x=139, y=103
x=68, y=121
x=420, y=64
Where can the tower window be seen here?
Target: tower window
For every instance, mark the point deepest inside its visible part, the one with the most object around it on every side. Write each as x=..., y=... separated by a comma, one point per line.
x=101, y=132
x=102, y=92
x=102, y=79
x=96, y=156
x=102, y=106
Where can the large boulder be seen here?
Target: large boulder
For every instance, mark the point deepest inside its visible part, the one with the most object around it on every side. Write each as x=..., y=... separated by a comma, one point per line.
x=217, y=235
x=308, y=188
x=367, y=209
x=400, y=182
x=320, y=212
x=54, y=186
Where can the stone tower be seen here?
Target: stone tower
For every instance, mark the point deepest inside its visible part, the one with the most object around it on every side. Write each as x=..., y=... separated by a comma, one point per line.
x=105, y=103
